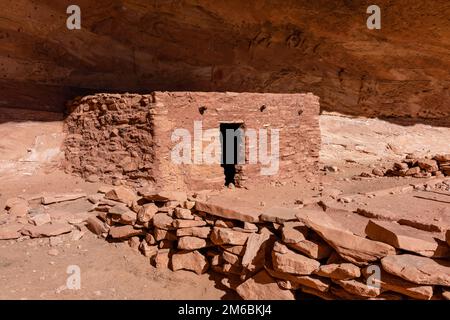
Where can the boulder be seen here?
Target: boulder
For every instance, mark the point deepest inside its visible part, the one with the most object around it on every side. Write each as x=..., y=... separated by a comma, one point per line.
x=162, y=259
x=339, y=271
x=97, y=226
x=428, y=165
x=162, y=234
x=147, y=212
x=163, y=221
x=314, y=249
x=124, y=232
x=147, y=250
x=122, y=214
x=255, y=251
x=182, y=213
x=220, y=236
x=294, y=263
x=293, y=232
x=122, y=194
x=407, y=238
x=420, y=270
x=191, y=243
x=351, y=247
x=263, y=287
x=190, y=260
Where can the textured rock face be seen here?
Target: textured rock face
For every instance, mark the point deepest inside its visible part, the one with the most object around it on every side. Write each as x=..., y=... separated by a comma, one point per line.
x=321, y=46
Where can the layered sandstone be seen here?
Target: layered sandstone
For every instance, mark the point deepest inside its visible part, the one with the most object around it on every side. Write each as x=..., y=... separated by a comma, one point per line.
x=296, y=46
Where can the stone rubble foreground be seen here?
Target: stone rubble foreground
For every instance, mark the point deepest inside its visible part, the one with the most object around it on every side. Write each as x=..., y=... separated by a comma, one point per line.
x=266, y=253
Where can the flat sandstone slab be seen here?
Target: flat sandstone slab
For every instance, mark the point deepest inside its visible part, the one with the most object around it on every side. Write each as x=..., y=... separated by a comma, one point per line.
x=407, y=238
x=237, y=210
x=418, y=269
x=279, y=214
x=351, y=247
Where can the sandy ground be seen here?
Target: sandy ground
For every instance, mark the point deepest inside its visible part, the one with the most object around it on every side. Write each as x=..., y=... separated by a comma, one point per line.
x=29, y=166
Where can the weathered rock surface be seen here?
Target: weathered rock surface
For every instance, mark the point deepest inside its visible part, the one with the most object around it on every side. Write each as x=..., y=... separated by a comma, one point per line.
x=222, y=236
x=279, y=214
x=339, y=271
x=407, y=238
x=267, y=52
x=418, y=269
x=294, y=263
x=263, y=287
x=237, y=210
x=353, y=248
x=47, y=230
x=190, y=260
x=389, y=282
x=191, y=243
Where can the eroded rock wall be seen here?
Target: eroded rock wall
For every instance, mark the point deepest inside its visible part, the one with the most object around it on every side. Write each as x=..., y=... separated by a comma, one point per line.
x=321, y=46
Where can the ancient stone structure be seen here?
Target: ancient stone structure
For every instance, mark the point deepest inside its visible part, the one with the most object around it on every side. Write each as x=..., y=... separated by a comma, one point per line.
x=133, y=137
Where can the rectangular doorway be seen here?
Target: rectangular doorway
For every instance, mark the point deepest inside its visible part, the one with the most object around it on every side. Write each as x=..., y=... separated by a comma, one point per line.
x=233, y=153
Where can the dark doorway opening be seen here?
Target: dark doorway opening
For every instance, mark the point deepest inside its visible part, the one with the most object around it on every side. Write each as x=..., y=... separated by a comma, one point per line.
x=231, y=138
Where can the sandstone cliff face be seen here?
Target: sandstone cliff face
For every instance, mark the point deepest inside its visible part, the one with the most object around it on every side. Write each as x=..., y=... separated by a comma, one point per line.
x=319, y=46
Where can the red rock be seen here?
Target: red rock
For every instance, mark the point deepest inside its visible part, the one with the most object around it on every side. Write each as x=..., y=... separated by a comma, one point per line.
x=220, y=236
x=122, y=194
x=238, y=210
x=163, y=196
x=162, y=259
x=96, y=225
x=15, y=201
x=339, y=271
x=263, y=287
x=447, y=237
x=19, y=210
x=191, y=243
x=418, y=269
x=122, y=214
x=162, y=221
x=182, y=213
x=255, y=251
x=161, y=234
x=428, y=165
x=47, y=230
x=10, y=231
x=200, y=232
x=238, y=250
x=147, y=212
x=293, y=232
x=231, y=258
x=40, y=219
x=62, y=198
x=124, y=232
x=389, y=282
x=315, y=249
x=351, y=247
x=148, y=250
x=314, y=282
x=279, y=214
x=407, y=238
x=358, y=288
x=294, y=263
x=190, y=260
x=178, y=223
x=320, y=294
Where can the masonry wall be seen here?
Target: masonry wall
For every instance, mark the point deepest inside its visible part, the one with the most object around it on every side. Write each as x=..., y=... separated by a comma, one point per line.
x=128, y=138
x=110, y=138
x=295, y=115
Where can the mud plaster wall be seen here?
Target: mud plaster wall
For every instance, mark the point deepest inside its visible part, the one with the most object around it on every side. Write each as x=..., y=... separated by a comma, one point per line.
x=128, y=138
